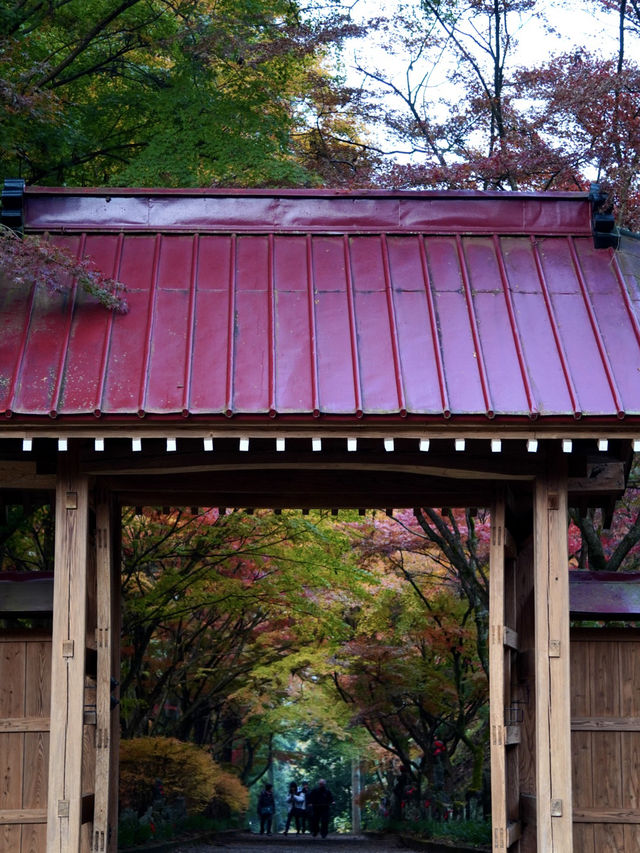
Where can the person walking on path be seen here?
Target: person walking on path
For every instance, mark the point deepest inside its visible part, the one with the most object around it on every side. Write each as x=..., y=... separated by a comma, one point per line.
x=321, y=800
x=266, y=808
x=295, y=805
x=305, y=809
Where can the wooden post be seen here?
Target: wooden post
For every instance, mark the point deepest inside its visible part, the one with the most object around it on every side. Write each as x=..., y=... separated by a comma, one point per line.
x=503, y=648
x=104, y=837
x=496, y=679
x=64, y=806
x=553, y=712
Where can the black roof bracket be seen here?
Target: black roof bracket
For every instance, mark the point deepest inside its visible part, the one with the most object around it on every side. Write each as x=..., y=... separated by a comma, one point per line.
x=12, y=197
x=603, y=223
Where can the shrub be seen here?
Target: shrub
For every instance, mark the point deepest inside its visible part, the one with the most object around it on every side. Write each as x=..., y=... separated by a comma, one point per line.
x=170, y=769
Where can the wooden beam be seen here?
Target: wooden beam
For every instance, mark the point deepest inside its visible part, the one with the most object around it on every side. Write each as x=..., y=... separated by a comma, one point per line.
x=26, y=596
x=603, y=478
x=553, y=717
x=448, y=467
x=25, y=724
x=13, y=816
x=22, y=475
x=605, y=724
x=606, y=815
x=64, y=807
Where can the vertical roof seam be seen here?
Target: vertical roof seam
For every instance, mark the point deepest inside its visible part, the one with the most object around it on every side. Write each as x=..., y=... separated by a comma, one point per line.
x=106, y=345
x=466, y=284
x=313, y=343
x=231, y=308
x=433, y=323
x=554, y=328
x=514, y=325
x=271, y=330
x=146, y=358
x=606, y=364
x=357, y=388
x=191, y=321
x=395, y=346
x=625, y=297
x=66, y=337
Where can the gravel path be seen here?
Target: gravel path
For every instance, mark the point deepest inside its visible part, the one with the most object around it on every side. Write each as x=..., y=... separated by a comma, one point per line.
x=249, y=843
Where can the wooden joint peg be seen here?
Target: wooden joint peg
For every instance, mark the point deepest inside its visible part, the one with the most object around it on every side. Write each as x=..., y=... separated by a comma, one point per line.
x=71, y=500
x=67, y=649
x=554, y=649
x=554, y=501
x=63, y=808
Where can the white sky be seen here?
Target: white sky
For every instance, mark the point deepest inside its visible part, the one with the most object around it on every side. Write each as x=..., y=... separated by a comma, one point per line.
x=582, y=23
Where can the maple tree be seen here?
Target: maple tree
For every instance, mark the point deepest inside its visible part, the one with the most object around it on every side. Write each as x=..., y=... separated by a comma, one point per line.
x=465, y=114
x=413, y=670
x=34, y=261
x=599, y=544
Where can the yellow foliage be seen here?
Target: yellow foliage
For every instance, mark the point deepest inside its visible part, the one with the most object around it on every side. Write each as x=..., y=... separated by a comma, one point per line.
x=231, y=791
x=183, y=769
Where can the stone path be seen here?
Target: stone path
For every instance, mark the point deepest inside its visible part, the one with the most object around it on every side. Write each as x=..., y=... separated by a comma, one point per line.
x=250, y=843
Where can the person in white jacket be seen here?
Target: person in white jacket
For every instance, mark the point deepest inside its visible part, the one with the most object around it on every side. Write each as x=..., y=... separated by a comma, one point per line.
x=295, y=807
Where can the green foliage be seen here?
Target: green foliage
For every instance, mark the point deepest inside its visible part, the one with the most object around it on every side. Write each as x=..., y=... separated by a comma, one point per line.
x=155, y=93
x=462, y=831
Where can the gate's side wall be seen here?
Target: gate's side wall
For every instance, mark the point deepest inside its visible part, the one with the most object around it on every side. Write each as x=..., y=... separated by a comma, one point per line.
x=25, y=684
x=605, y=739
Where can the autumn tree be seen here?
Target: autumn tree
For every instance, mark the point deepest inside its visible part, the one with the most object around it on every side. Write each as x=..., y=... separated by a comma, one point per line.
x=218, y=612
x=465, y=112
x=413, y=671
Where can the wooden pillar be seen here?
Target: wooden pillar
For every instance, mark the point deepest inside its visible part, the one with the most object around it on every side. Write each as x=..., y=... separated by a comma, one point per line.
x=505, y=714
x=496, y=679
x=553, y=712
x=64, y=806
x=104, y=837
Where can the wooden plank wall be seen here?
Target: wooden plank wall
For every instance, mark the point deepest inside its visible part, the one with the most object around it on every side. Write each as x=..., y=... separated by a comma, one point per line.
x=25, y=679
x=605, y=739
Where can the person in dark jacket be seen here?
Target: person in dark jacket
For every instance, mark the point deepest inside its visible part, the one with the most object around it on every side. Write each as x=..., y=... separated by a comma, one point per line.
x=305, y=809
x=321, y=800
x=266, y=808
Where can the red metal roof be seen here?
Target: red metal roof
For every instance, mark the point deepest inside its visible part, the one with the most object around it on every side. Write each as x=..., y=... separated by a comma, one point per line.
x=324, y=303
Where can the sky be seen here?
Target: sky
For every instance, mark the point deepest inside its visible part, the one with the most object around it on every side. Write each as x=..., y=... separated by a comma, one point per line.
x=578, y=23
